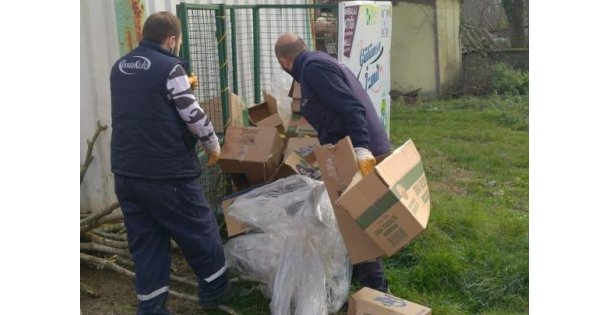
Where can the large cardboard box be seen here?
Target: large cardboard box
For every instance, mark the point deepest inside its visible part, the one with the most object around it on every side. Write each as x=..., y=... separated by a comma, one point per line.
x=266, y=114
x=299, y=159
x=372, y=302
x=392, y=204
x=338, y=165
x=253, y=151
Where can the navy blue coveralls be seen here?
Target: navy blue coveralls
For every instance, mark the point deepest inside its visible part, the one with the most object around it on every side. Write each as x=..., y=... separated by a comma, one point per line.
x=336, y=105
x=156, y=174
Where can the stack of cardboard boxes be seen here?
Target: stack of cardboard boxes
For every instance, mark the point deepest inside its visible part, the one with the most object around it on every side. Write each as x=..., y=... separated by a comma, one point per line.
x=378, y=214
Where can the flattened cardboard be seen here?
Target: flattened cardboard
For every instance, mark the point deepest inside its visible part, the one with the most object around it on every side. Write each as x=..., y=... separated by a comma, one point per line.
x=338, y=165
x=234, y=226
x=392, y=204
x=372, y=302
x=304, y=146
x=253, y=151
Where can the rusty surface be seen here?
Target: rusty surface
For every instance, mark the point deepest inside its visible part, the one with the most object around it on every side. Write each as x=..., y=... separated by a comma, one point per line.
x=129, y=23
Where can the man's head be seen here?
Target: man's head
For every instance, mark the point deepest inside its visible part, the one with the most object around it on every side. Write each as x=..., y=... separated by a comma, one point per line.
x=163, y=28
x=287, y=48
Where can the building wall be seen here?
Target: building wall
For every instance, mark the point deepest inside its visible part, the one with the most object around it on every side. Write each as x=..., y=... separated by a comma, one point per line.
x=448, y=40
x=413, y=48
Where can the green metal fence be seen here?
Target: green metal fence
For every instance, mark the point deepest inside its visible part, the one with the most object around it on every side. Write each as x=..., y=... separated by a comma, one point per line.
x=231, y=49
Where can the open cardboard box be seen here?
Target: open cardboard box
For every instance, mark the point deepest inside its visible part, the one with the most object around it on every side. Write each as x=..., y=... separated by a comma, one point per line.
x=299, y=159
x=296, y=96
x=381, y=212
x=266, y=114
x=372, y=302
x=255, y=152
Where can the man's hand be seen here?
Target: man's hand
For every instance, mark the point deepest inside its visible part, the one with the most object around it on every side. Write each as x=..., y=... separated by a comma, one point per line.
x=366, y=160
x=193, y=79
x=214, y=156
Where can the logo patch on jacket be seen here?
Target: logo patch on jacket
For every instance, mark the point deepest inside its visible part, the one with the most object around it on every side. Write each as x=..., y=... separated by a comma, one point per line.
x=134, y=63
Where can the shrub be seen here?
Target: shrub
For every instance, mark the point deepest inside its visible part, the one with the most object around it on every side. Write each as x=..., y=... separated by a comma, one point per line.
x=506, y=80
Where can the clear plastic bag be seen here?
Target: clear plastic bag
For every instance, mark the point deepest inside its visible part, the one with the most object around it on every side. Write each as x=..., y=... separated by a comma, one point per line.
x=300, y=255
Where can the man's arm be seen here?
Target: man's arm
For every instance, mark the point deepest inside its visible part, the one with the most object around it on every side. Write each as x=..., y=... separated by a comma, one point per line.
x=329, y=86
x=178, y=88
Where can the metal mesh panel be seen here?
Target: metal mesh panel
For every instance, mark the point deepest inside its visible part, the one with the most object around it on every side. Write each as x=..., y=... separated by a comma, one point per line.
x=201, y=49
x=204, y=62
x=239, y=24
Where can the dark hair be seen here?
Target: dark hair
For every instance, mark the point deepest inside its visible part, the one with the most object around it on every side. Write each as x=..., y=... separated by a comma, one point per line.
x=290, y=50
x=160, y=26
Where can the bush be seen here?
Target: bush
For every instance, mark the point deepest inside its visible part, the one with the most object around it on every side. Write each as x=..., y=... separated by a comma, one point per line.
x=505, y=80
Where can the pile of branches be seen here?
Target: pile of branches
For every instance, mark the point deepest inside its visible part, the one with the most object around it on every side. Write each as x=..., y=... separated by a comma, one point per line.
x=103, y=240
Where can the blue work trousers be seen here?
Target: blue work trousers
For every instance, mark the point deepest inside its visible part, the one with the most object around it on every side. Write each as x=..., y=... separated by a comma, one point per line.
x=156, y=211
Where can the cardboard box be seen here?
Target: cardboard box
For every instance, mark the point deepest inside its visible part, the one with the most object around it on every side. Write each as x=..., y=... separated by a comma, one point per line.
x=303, y=145
x=338, y=165
x=253, y=151
x=372, y=302
x=234, y=226
x=299, y=159
x=299, y=126
x=296, y=95
x=392, y=204
x=237, y=110
x=266, y=114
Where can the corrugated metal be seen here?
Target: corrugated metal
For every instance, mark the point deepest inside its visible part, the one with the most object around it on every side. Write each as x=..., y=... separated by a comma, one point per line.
x=100, y=42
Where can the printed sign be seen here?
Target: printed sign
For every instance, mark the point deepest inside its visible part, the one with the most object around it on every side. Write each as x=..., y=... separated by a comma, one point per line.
x=364, y=45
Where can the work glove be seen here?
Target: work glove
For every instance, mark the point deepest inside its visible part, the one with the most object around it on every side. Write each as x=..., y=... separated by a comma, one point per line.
x=366, y=160
x=214, y=155
x=193, y=80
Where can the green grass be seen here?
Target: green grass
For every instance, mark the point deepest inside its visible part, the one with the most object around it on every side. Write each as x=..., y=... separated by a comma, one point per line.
x=473, y=257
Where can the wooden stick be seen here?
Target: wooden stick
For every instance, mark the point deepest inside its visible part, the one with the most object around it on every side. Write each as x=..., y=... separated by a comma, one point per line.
x=96, y=216
x=105, y=241
x=108, y=228
x=89, y=156
x=105, y=249
x=185, y=281
x=112, y=236
x=84, y=288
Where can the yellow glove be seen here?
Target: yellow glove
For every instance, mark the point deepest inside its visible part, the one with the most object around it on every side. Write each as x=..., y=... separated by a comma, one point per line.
x=193, y=79
x=214, y=156
x=366, y=160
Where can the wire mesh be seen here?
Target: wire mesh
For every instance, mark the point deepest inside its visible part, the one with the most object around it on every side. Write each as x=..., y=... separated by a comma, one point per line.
x=250, y=35
x=255, y=33
x=204, y=62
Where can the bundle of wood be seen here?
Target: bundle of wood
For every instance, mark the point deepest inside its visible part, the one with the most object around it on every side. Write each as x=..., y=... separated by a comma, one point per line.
x=103, y=240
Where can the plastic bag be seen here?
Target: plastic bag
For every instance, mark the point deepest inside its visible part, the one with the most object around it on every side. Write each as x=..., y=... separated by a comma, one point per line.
x=281, y=84
x=300, y=255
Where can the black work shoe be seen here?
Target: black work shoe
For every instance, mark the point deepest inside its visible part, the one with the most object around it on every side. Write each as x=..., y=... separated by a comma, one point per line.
x=226, y=296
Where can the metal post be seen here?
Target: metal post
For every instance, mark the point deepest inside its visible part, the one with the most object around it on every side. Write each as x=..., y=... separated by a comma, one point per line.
x=235, y=71
x=256, y=55
x=220, y=34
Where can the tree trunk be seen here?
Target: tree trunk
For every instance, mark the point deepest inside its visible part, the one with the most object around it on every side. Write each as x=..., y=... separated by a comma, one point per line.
x=515, y=13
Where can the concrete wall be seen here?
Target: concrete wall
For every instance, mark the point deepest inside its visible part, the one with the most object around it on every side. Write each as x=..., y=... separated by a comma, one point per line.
x=448, y=39
x=413, y=48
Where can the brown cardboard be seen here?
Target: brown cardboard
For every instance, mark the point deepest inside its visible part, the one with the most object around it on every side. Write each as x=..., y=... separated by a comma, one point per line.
x=296, y=96
x=338, y=165
x=265, y=114
x=299, y=159
x=392, y=204
x=253, y=151
x=299, y=126
x=237, y=110
x=234, y=226
x=372, y=302
x=305, y=145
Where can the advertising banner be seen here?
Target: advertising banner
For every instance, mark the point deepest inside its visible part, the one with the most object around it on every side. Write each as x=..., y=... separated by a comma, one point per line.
x=364, y=45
